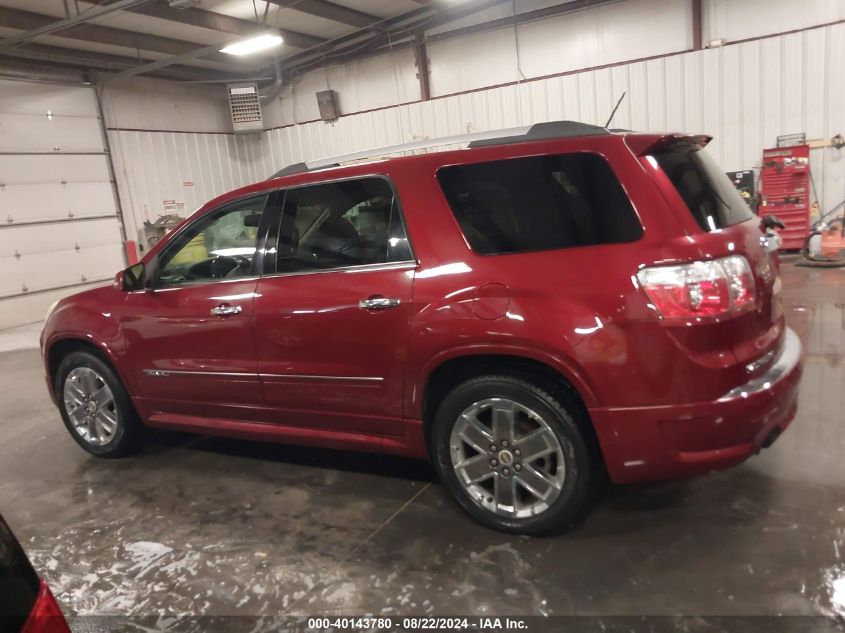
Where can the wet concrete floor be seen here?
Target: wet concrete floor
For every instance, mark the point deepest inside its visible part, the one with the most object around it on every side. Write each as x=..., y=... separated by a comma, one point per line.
x=218, y=527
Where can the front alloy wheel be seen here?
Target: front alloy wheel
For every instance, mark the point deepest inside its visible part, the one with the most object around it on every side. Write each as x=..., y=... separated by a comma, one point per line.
x=95, y=406
x=90, y=405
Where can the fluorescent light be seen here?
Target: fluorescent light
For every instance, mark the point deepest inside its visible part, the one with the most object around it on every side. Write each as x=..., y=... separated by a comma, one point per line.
x=253, y=44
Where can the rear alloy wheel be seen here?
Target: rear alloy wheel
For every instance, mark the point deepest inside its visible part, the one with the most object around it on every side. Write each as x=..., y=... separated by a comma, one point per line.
x=95, y=407
x=512, y=455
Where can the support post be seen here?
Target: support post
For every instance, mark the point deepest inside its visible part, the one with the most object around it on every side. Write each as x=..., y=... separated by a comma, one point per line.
x=421, y=60
x=697, y=35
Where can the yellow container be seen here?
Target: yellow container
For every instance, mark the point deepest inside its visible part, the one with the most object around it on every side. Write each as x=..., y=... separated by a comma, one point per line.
x=193, y=252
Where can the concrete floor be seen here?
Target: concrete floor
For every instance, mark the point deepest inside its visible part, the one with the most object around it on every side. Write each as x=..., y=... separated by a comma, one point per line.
x=217, y=527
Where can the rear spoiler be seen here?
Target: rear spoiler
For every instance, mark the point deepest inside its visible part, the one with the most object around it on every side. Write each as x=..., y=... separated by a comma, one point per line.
x=643, y=144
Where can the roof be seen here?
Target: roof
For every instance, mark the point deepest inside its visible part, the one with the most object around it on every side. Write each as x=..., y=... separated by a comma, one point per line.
x=538, y=132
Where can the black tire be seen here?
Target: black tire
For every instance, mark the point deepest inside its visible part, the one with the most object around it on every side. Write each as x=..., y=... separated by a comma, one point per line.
x=129, y=433
x=583, y=468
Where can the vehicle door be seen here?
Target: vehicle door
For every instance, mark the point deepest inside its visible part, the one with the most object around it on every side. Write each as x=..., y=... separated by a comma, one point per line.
x=189, y=333
x=333, y=309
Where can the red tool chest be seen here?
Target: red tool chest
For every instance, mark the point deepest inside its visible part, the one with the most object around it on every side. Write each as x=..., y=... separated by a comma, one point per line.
x=785, y=191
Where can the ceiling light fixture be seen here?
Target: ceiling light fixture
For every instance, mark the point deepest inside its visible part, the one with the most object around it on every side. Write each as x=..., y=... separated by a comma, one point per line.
x=253, y=44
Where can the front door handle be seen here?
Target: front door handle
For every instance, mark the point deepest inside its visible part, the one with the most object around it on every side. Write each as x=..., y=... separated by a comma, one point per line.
x=378, y=303
x=224, y=309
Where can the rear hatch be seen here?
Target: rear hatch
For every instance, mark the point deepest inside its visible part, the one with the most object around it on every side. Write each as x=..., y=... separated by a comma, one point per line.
x=719, y=222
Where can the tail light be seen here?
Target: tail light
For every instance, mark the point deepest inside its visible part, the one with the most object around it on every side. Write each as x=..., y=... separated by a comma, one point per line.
x=46, y=616
x=700, y=289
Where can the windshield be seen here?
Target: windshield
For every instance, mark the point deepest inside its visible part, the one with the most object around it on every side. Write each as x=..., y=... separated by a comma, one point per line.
x=708, y=193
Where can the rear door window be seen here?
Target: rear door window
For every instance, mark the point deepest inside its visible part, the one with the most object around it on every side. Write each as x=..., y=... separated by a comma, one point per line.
x=708, y=193
x=539, y=203
x=354, y=222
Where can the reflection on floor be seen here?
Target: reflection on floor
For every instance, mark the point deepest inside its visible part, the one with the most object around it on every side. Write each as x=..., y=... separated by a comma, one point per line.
x=209, y=526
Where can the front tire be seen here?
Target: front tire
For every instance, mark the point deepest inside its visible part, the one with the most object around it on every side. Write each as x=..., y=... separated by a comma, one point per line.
x=95, y=407
x=513, y=455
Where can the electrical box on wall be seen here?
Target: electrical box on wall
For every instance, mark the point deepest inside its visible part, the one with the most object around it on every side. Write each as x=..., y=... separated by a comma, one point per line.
x=327, y=102
x=245, y=106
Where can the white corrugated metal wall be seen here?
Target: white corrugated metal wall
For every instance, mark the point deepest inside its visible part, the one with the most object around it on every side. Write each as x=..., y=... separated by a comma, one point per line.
x=170, y=143
x=59, y=227
x=744, y=94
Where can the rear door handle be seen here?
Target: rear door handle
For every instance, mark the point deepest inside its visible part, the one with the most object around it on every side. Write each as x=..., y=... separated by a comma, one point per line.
x=378, y=303
x=224, y=309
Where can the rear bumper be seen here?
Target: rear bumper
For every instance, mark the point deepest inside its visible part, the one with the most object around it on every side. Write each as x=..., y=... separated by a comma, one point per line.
x=667, y=442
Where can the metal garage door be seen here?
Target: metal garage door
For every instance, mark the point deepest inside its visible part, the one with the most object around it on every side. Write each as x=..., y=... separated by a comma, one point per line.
x=60, y=231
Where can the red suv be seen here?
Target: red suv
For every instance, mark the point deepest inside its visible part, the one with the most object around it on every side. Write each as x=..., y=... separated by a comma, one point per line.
x=26, y=603
x=530, y=313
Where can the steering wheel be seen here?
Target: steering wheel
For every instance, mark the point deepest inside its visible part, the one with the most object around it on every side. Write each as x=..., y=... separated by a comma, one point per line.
x=243, y=265
x=224, y=265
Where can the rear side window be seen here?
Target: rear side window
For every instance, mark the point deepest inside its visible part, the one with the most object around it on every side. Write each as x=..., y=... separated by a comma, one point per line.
x=341, y=224
x=539, y=203
x=708, y=193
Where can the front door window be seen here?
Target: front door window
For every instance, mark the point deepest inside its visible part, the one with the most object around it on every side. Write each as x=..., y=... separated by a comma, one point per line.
x=221, y=245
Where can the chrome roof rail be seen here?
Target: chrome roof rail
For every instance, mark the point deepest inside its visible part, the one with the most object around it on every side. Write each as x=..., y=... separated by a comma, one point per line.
x=524, y=134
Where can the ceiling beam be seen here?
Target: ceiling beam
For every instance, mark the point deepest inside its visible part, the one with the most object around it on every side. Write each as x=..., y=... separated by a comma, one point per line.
x=400, y=30
x=520, y=18
x=60, y=57
x=386, y=32
x=329, y=11
x=222, y=22
x=53, y=25
x=27, y=21
x=167, y=61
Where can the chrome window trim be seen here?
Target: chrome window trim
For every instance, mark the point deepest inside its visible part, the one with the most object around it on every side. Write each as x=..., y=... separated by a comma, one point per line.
x=359, y=268
x=331, y=181
x=194, y=284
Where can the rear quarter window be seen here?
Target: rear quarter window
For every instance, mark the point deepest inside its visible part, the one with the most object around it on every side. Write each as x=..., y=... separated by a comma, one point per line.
x=707, y=192
x=539, y=203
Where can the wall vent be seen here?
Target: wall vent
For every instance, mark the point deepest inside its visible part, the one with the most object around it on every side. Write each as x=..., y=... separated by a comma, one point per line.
x=245, y=107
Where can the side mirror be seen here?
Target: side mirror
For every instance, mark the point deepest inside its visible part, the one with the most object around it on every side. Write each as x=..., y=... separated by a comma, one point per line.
x=133, y=278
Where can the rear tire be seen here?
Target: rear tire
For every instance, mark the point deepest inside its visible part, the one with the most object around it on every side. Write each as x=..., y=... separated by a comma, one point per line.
x=95, y=407
x=513, y=455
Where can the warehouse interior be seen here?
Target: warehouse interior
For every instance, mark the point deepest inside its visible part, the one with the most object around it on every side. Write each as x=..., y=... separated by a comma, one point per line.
x=119, y=118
